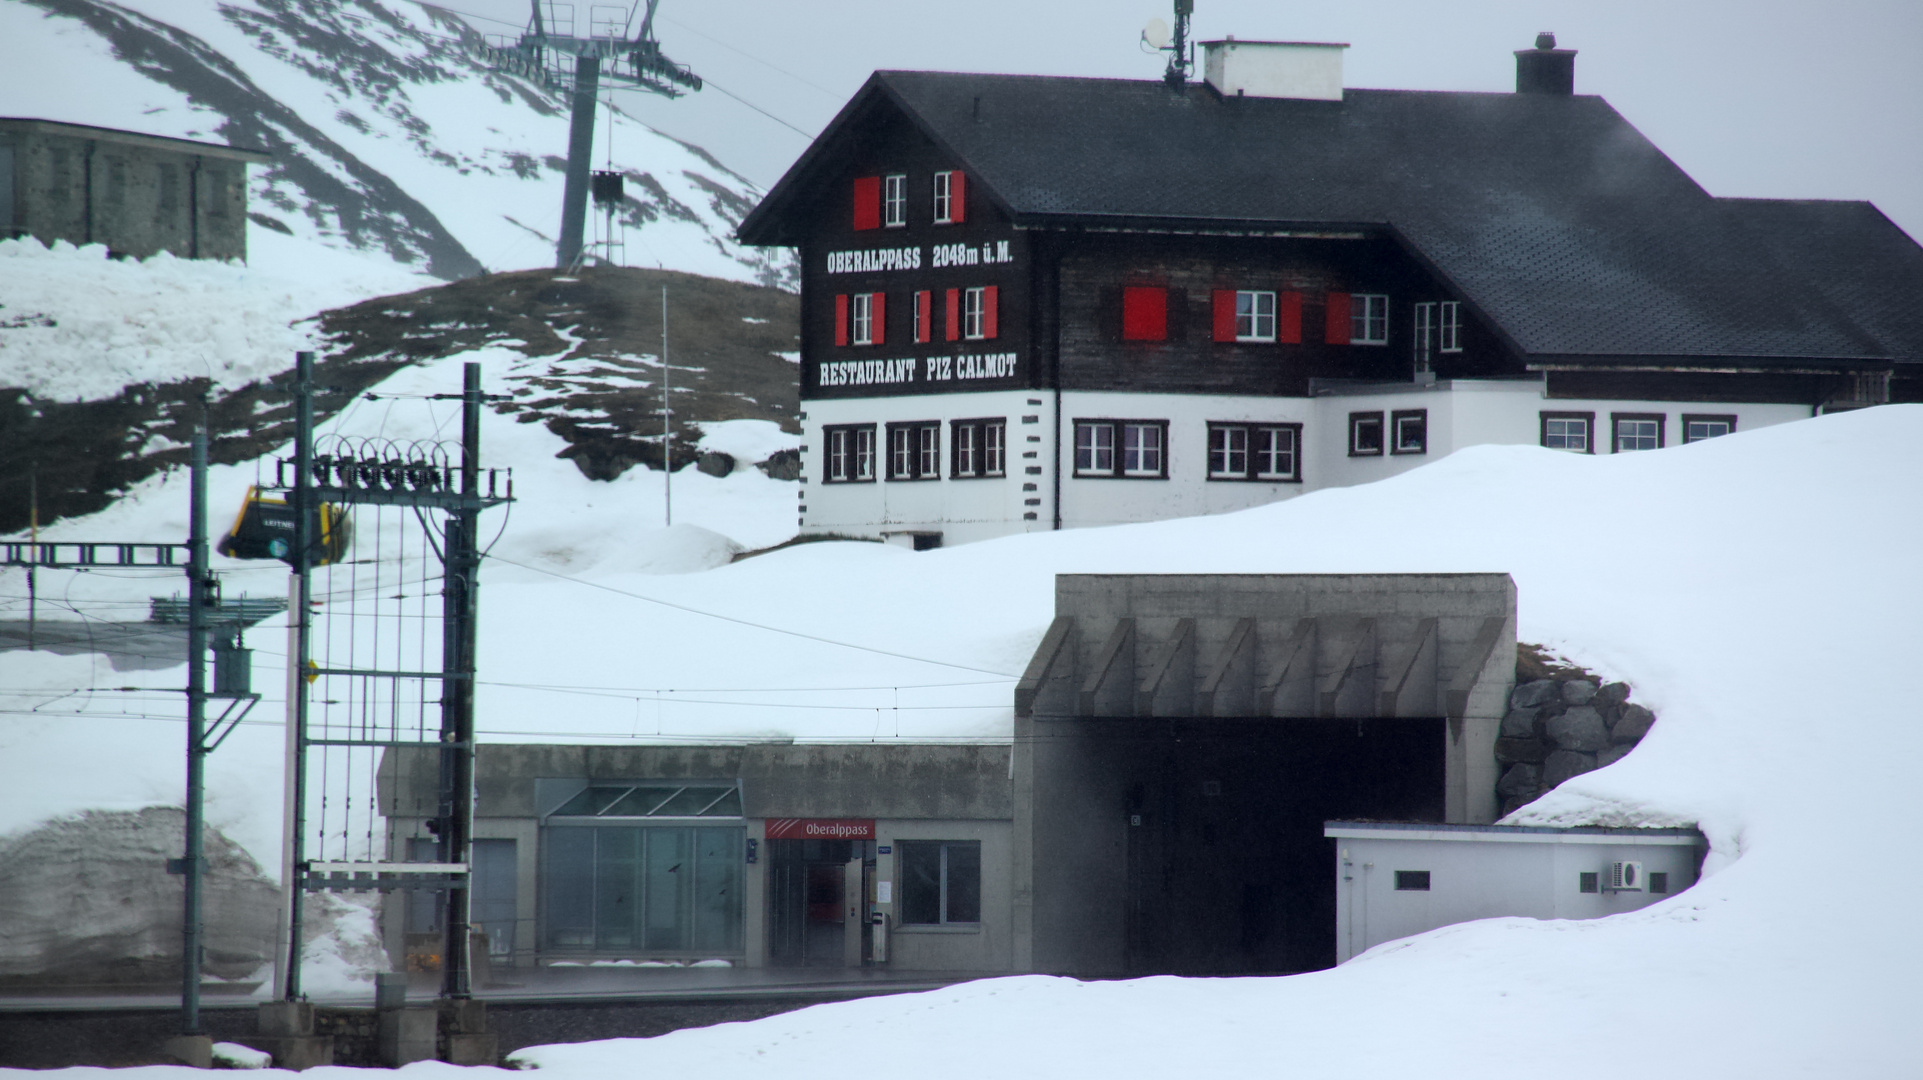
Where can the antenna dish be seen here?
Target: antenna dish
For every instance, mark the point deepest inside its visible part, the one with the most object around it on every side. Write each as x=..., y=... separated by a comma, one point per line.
x=1156, y=34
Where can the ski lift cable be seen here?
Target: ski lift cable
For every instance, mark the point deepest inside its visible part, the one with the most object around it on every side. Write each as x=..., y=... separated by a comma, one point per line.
x=750, y=623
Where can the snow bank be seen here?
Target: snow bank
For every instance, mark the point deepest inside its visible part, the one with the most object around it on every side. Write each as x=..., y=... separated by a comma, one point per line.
x=748, y=441
x=77, y=326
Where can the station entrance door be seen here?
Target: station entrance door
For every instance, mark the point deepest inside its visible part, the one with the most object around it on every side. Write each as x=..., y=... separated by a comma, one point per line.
x=817, y=892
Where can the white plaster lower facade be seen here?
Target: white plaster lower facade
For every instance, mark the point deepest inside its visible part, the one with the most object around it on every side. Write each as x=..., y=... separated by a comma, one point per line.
x=1041, y=487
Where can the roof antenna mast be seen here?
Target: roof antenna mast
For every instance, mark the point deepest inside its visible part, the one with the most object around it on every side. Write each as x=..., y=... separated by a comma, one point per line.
x=1157, y=37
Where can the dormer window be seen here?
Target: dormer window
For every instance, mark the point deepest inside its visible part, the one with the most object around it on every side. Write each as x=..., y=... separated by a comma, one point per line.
x=951, y=198
x=894, y=201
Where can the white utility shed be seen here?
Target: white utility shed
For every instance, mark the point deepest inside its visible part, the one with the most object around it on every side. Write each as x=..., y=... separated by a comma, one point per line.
x=1394, y=880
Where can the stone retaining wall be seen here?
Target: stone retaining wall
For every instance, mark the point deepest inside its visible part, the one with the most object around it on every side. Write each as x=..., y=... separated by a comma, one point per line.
x=1560, y=727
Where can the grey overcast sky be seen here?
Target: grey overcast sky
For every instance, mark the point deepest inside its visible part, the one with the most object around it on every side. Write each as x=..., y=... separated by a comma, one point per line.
x=1775, y=98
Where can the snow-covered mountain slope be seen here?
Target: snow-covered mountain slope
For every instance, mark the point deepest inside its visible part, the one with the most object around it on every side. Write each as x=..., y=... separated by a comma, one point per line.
x=1756, y=590
x=389, y=134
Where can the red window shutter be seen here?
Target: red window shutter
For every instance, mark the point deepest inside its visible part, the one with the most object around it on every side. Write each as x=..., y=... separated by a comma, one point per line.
x=1288, y=318
x=1144, y=313
x=867, y=202
x=958, y=198
x=953, y=331
x=841, y=319
x=991, y=303
x=879, y=324
x=1225, y=314
x=1337, y=331
x=924, y=314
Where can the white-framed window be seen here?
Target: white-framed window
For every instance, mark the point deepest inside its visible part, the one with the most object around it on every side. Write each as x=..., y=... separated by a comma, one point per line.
x=1636, y=431
x=944, y=198
x=894, y=201
x=1228, y=451
x=1696, y=428
x=1142, y=448
x=1451, y=326
x=1409, y=431
x=980, y=448
x=1254, y=315
x=1423, y=341
x=941, y=882
x=1255, y=452
x=850, y=453
x=1368, y=319
x=1121, y=448
x=914, y=450
x=1567, y=431
x=1365, y=434
x=861, y=311
x=973, y=307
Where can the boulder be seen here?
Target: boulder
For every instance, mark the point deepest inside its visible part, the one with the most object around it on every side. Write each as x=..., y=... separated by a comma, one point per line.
x=1635, y=723
x=1519, y=724
x=1581, y=728
x=1532, y=693
x=1612, y=755
x=782, y=465
x=1578, y=692
x=1519, y=780
x=1509, y=751
x=715, y=463
x=1610, y=695
x=1564, y=764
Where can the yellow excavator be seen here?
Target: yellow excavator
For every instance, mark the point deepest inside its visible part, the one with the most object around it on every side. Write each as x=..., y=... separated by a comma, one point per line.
x=264, y=529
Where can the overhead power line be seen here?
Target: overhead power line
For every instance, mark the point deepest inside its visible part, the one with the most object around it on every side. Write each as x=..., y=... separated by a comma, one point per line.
x=749, y=622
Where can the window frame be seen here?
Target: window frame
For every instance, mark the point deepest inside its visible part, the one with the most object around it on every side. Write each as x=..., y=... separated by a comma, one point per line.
x=991, y=454
x=1451, y=324
x=1394, y=433
x=1589, y=430
x=908, y=850
x=975, y=313
x=1117, y=449
x=1424, y=333
x=861, y=318
x=851, y=454
x=1369, y=313
x=1255, y=316
x=1358, y=421
x=910, y=460
x=1706, y=418
x=894, y=201
x=944, y=200
x=1617, y=420
x=1254, y=452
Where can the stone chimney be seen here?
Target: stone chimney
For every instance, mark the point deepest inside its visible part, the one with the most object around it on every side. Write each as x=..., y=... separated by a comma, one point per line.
x=1274, y=69
x=1546, y=69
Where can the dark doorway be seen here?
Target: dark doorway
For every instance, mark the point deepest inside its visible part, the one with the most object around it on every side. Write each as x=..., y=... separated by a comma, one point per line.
x=1228, y=871
x=805, y=917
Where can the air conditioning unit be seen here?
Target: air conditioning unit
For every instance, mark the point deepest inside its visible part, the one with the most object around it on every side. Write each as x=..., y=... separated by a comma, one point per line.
x=1625, y=877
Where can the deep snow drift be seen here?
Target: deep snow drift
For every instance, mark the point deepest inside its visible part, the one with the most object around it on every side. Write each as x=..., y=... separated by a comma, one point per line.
x=1757, y=590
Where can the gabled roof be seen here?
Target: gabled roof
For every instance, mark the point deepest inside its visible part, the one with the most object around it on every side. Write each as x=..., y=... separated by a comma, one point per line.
x=1551, y=214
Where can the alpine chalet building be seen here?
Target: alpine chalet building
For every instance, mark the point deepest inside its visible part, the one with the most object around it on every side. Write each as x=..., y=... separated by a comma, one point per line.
x=1033, y=303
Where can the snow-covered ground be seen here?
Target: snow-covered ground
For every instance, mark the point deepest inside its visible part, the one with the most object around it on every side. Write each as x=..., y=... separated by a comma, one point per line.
x=1759, y=591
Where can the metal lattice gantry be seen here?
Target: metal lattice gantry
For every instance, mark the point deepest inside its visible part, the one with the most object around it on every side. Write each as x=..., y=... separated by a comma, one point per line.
x=385, y=554
x=553, y=52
